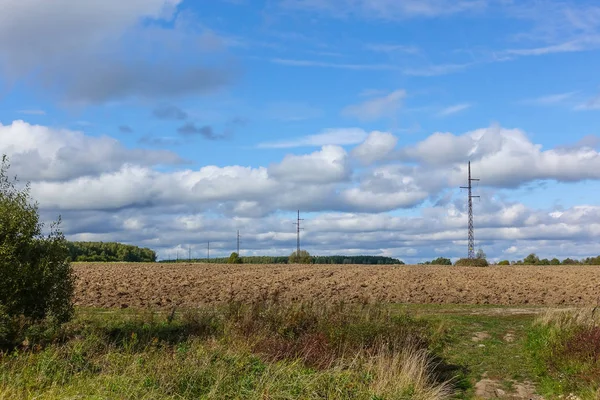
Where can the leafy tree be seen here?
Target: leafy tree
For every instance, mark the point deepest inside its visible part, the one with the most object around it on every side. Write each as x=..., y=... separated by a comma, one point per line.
x=471, y=262
x=504, y=262
x=303, y=257
x=441, y=261
x=569, y=261
x=555, y=261
x=109, y=252
x=36, y=277
x=544, y=261
x=234, y=258
x=531, y=259
x=480, y=254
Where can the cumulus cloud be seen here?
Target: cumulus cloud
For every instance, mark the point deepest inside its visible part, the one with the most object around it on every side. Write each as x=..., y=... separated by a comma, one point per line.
x=376, y=147
x=107, y=192
x=328, y=165
x=41, y=153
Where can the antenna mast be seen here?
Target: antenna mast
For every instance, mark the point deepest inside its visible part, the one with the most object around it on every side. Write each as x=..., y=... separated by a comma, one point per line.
x=298, y=229
x=471, y=253
x=238, y=242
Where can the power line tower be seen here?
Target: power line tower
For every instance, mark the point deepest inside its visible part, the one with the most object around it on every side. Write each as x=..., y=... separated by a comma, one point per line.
x=471, y=229
x=238, y=242
x=298, y=229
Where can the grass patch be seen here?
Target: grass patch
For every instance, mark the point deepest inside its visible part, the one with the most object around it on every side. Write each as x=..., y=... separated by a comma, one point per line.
x=566, y=347
x=262, y=350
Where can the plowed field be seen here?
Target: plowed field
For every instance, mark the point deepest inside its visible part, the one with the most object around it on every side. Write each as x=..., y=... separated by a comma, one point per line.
x=189, y=285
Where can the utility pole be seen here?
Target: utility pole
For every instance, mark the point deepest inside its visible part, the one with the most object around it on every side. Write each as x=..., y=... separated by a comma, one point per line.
x=471, y=253
x=238, y=242
x=208, y=251
x=298, y=229
x=189, y=253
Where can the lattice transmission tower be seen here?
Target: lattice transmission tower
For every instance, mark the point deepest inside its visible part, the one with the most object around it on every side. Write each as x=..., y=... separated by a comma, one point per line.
x=471, y=253
x=298, y=229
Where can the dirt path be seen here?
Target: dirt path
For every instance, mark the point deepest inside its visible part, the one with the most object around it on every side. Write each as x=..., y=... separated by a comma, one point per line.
x=165, y=285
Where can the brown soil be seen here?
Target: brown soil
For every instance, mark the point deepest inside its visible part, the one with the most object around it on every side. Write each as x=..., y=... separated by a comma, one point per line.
x=166, y=285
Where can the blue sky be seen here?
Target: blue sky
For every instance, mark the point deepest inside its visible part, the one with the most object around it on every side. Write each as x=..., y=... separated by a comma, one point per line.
x=168, y=123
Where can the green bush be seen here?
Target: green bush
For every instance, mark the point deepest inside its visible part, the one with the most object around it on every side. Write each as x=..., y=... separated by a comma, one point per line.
x=37, y=279
x=471, y=262
x=303, y=257
x=441, y=261
x=234, y=258
x=504, y=262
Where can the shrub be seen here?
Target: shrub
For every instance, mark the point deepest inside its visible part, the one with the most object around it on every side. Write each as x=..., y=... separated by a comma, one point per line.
x=37, y=279
x=303, y=257
x=441, y=261
x=234, y=258
x=471, y=262
x=531, y=259
x=504, y=262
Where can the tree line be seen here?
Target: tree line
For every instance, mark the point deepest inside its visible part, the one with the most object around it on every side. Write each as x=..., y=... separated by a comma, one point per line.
x=533, y=259
x=304, y=258
x=109, y=252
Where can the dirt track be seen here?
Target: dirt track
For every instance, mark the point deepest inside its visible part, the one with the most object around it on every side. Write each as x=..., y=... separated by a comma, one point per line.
x=165, y=285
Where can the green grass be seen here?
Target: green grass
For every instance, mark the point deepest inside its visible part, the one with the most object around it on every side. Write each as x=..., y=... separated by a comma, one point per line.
x=274, y=351
x=493, y=357
x=566, y=349
x=266, y=350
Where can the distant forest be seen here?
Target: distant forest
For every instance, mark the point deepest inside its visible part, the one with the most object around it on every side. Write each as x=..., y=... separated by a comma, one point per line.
x=109, y=252
x=367, y=260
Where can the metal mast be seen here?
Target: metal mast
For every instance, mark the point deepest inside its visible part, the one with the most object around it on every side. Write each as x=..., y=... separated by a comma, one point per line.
x=471, y=253
x=298, y=229
x=238, y=242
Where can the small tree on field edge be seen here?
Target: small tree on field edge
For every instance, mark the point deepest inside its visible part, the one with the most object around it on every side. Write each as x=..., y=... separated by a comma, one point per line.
x=303, y=257
x=471, y=262
x=36, y=278
x=234, y=258
x=441, y=261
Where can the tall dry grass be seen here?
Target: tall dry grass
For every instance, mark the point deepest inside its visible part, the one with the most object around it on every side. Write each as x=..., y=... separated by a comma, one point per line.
x=266, y=350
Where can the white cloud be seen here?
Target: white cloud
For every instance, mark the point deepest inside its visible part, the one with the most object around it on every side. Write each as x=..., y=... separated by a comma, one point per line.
x=453, y=109
x=375, y=108
x=340, y=137
x=328, y=165
x=38, y=152
x=124, y=197
x=376, y=147
x=549, y=99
